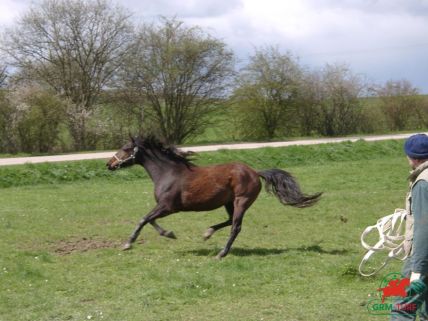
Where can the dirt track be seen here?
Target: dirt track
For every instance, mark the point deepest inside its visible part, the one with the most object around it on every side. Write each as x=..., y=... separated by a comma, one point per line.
x=107, y=155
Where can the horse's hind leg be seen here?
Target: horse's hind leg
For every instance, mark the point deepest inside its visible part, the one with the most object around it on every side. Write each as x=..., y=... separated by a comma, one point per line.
x=212, y=229
x=241, y=204
x=162, y=232
x=236, y=228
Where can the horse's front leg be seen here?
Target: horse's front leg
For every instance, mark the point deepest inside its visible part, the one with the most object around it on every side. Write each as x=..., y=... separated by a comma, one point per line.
x=156, y=213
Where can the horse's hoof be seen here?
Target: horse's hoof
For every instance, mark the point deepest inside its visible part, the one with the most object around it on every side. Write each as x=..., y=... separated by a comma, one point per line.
x=220, y=255
x=208, y=233
x=126, y=247
x=170, y=234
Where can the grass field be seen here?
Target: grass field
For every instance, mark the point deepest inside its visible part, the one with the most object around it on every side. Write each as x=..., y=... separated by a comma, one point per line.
x=60, y=239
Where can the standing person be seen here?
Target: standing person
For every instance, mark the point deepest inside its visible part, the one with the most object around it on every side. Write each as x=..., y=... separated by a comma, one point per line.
x=416, y=240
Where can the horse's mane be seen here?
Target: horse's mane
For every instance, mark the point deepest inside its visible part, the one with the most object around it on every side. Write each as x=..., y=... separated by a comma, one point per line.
x=171, y=152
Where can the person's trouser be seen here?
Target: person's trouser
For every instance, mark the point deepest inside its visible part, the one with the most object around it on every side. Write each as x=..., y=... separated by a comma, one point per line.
x=419, y=300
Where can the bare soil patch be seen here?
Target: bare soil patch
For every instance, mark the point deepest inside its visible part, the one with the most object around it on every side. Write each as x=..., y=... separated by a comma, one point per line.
x=84, y=244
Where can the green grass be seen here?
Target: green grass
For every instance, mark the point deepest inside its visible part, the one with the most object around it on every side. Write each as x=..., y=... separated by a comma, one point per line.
x=287, y=264
x=57, y=173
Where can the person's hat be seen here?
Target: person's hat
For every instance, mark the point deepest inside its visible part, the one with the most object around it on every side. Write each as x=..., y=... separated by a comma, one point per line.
x=416, y=146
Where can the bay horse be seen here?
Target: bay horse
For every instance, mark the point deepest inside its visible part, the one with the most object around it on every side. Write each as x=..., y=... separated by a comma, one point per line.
x=180, y=185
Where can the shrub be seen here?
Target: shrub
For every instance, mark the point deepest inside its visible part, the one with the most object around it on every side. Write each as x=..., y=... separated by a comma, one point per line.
x=39, y=126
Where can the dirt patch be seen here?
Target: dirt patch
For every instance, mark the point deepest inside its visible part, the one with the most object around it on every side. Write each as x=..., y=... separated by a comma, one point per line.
x=84, y=244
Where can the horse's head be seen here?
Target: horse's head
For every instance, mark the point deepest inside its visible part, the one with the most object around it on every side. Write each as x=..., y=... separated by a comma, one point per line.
x=125, y=156
x=148, y=148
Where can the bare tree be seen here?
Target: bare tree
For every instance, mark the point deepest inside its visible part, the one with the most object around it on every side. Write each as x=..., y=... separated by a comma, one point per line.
x=72, y=46
x=266, y=92
x=183, y=73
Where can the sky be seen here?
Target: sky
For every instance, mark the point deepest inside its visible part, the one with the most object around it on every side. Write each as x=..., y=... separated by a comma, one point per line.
x=380, y=39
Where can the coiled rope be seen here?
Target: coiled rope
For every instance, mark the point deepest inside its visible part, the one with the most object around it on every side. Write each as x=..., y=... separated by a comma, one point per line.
x=391, y=230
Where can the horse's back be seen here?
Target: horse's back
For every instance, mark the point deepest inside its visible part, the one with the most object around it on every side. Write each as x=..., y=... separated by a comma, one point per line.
x=210, y=187
x=237, y=176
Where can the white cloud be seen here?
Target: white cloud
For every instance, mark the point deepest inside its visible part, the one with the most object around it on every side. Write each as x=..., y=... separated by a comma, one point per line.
x=384, y=39
x=183, y=9
x=11, y=9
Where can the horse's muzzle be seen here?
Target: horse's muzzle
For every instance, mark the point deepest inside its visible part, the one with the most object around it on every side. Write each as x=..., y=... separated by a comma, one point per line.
x=112, y=167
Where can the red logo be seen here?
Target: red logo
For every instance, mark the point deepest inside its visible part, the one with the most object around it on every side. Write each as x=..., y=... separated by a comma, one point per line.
x=383, y=302
x=395, y=288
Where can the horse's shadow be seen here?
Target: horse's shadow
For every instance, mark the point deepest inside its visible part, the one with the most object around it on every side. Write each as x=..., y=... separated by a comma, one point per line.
x=261, y=251
x=318, y=249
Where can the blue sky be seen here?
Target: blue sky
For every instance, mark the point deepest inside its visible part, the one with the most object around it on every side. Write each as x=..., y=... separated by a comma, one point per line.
x=381, y=39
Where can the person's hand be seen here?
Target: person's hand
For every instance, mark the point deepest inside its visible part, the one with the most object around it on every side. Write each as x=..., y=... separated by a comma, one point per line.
x=416, y=287
x=415, y=276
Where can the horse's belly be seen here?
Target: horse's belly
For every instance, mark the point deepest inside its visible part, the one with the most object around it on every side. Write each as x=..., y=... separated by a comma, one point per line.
x=205, y=200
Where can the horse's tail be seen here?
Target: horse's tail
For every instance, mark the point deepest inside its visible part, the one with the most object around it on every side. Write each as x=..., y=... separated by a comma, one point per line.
x=283, y=185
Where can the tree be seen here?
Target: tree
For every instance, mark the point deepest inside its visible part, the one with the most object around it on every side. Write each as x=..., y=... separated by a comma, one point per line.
x=30, y=120
x=182, y=72
x=309, y=102
x=339, y=100
x=400, y=103
x=421, y=112
x=122, y=113
x=73, y=47
x=3, y=75
x=9, y=117
x=266, y=92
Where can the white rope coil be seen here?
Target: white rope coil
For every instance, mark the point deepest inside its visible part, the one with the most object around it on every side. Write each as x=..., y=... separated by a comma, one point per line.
x=391, y=230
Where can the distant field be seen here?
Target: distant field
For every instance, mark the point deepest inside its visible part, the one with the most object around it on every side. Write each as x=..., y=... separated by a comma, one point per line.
x=61, y=232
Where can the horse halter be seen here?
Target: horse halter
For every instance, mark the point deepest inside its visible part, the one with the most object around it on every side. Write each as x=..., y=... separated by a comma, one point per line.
x=130, y=157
